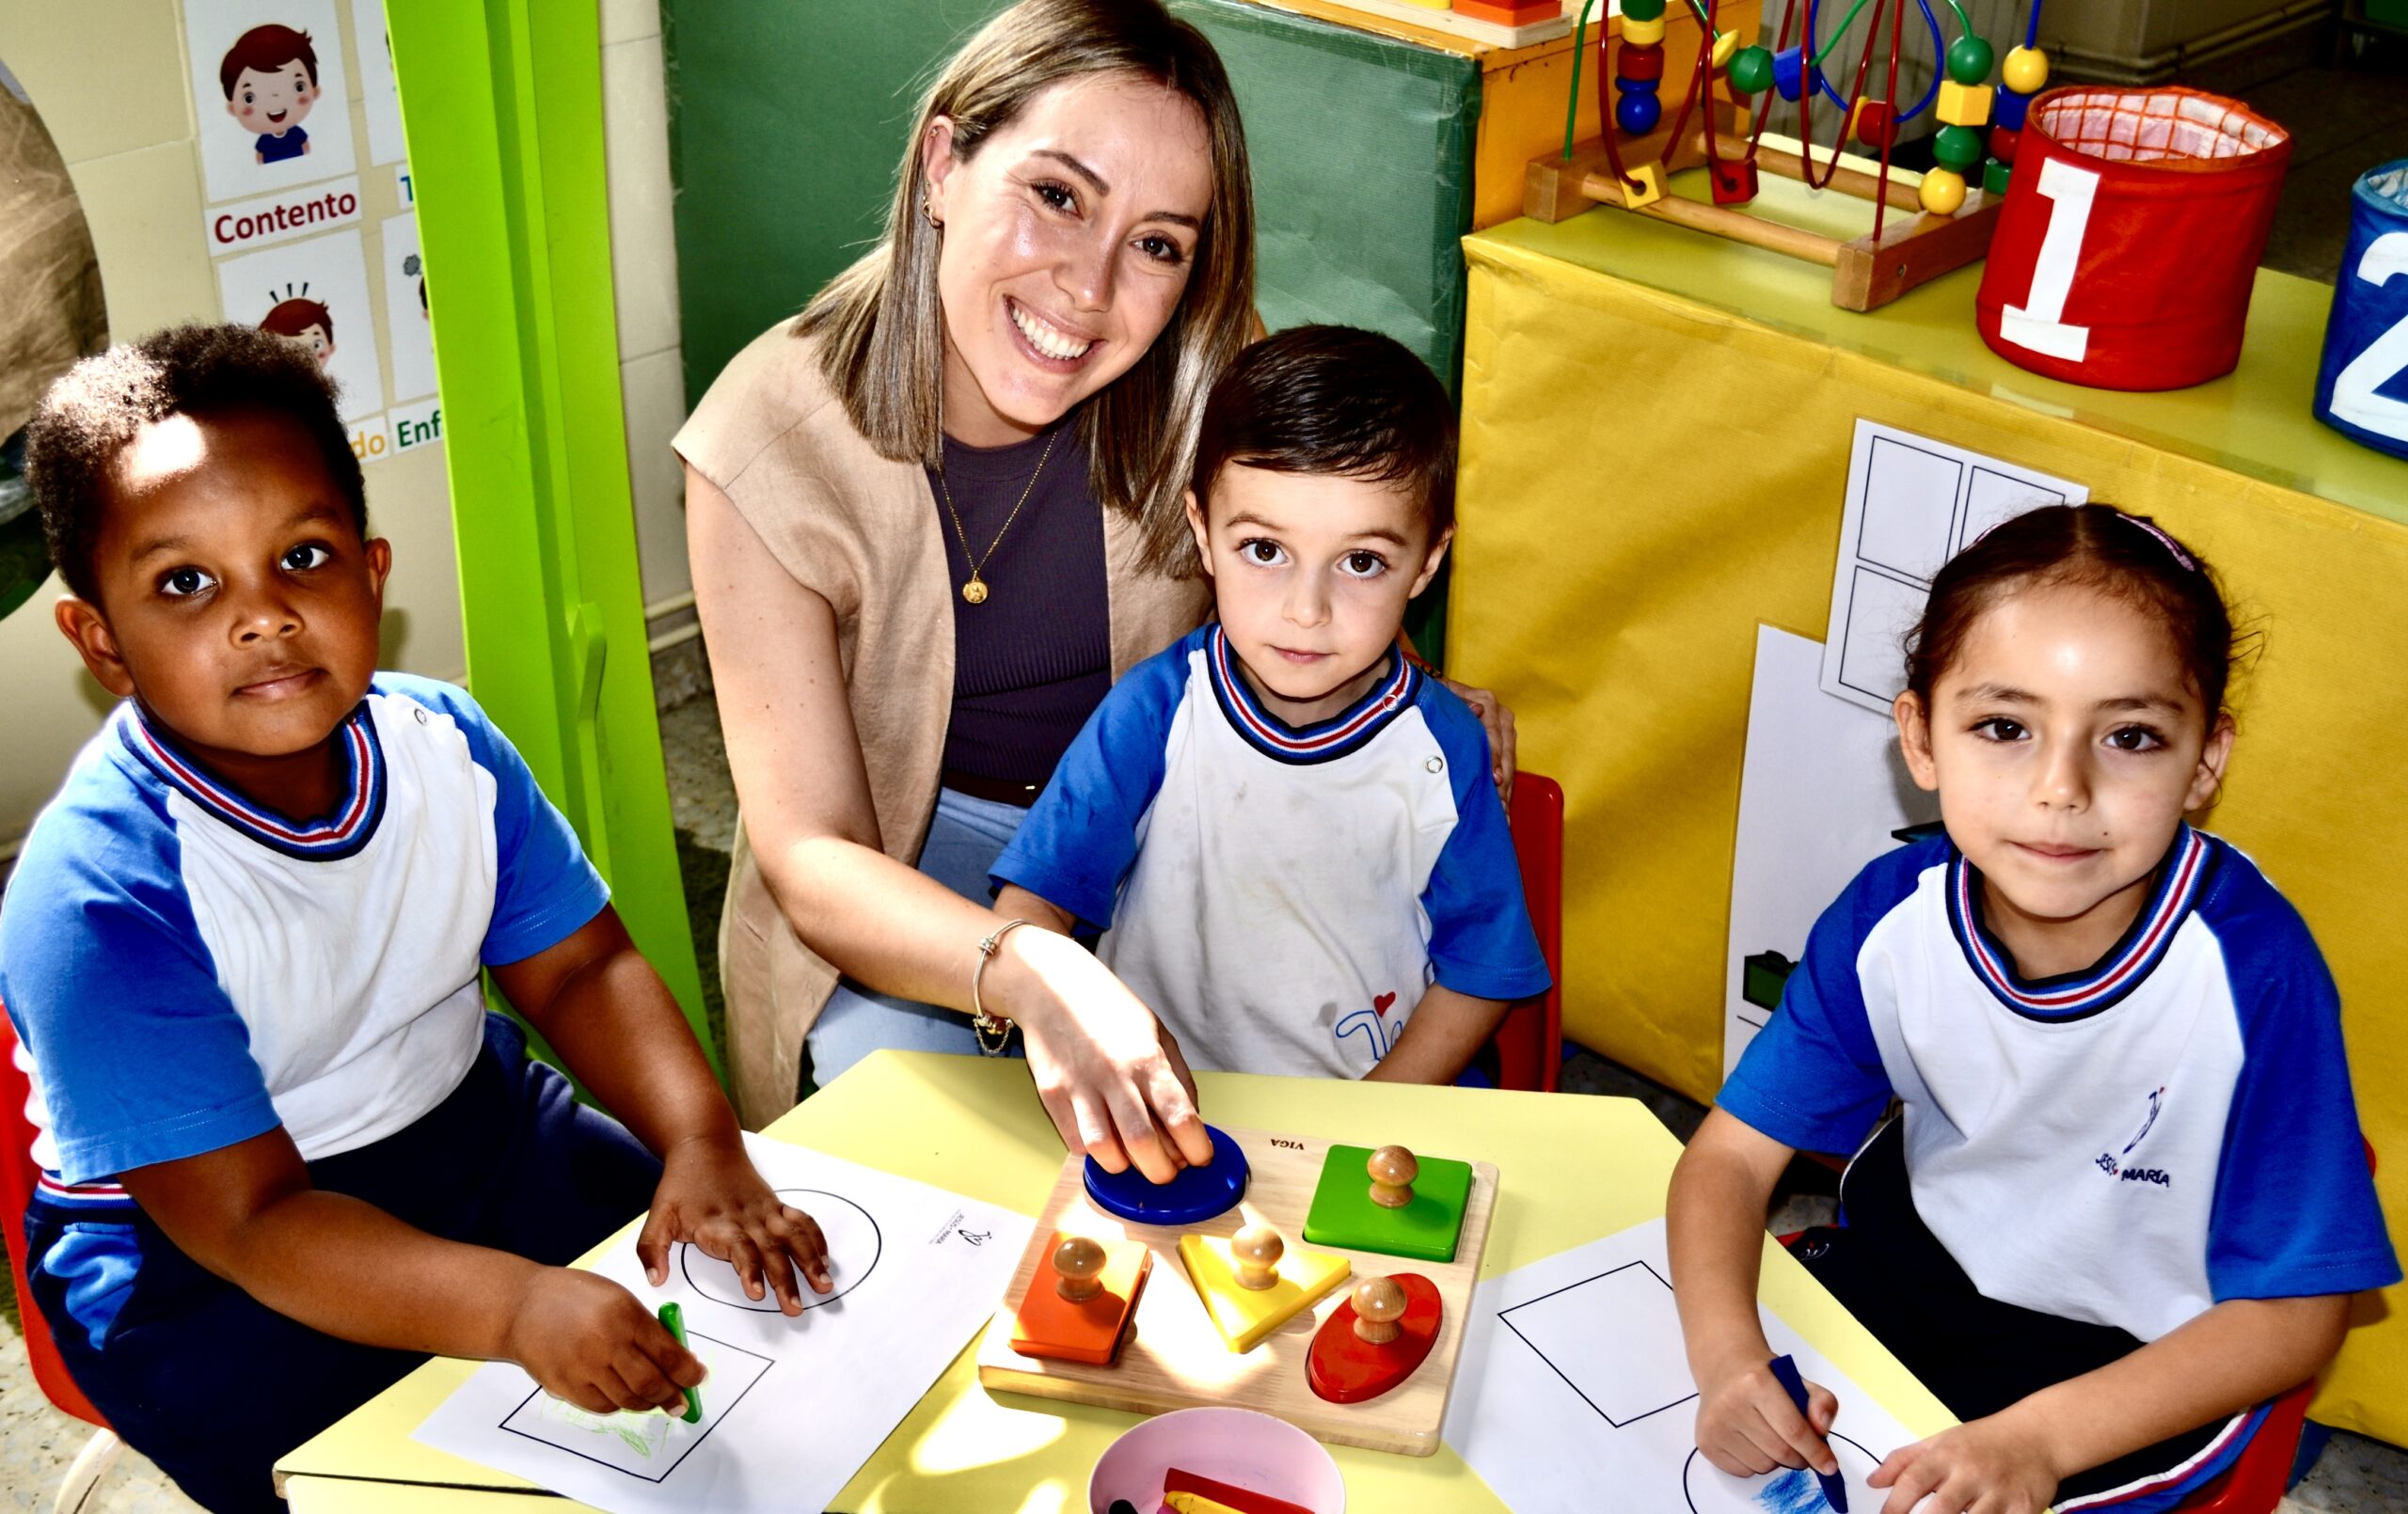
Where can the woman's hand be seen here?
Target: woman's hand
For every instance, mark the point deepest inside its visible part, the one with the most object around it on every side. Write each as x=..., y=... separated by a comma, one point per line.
x=1107, y=1070
x=1498, y=722
x=712, y=1196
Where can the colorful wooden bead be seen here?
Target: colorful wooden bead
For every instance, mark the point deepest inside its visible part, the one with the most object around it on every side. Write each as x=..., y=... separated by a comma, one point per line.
x=1995, y=176
x=1874, y=122
x=1943, y=190
x=1964, y=104
x=1650, y=188
x=1642, y=11
x=1637, y=113
x=1969, y=60
x=1726, y=46
x=1957, y=147
x=2009, y=108
x=2003, y=141
x=1645, y=33
x=2026, y=70
x=1638, y=62
x=1735, y=180
x=1789, y=71
x=1751, y=70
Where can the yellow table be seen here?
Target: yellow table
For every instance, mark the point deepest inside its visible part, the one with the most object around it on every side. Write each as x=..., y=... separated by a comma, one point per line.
x=1657, y=427
x=1571, y=1169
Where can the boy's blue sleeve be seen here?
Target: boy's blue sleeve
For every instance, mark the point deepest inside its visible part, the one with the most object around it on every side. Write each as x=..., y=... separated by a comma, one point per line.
x=1812, y=1077
x=1480, y=939
x=1080, y=838
x=138, y=1054
x=2295, y=1213
x=544, y=890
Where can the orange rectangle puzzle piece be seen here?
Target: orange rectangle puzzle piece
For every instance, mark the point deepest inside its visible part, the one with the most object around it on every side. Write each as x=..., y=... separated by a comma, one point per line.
x=1047, y=1324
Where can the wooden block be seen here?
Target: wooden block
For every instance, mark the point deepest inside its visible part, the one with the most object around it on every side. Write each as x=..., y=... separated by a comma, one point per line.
x=1735, y=183
x=1245, y=1500
x=1506, y=14
x=1344, y=1212
x=1346, y=1369
x=1243, y=1315
x=1911, y=253
x=1174, y=1358
x=1087, y=1330
x=1651, y=185
x=1964, y=104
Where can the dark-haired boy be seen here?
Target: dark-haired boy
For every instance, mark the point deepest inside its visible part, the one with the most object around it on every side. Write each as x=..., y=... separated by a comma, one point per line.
x=286, y=1146
x=1288, y=832
x=270, y=76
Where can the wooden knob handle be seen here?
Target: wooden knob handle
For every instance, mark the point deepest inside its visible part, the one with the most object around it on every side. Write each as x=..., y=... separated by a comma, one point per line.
x=1379, y=1304
x=1078, y=1259
x=1256, y=1251
x=1393, y=1170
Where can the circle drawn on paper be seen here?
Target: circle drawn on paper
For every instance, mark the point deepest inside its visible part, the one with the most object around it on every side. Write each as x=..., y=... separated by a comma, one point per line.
x=854, y=1244
x=1713, y=1491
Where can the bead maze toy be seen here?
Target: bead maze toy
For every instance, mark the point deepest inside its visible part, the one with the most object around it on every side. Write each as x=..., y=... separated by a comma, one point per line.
x=1943, y=224
x=1330, y=1288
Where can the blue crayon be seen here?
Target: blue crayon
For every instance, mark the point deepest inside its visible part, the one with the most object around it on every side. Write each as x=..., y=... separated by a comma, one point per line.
x=1834, y=1486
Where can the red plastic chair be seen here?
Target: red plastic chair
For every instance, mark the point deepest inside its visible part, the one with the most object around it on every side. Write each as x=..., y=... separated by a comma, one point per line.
x=18, y=1172
x=1529, y=1043
x=2258, y=1480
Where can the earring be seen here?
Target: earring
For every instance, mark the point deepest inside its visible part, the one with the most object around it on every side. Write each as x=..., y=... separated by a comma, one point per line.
x=929, y=212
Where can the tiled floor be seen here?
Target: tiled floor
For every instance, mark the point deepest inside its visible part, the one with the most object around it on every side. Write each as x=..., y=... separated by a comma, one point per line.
x=2344, y=121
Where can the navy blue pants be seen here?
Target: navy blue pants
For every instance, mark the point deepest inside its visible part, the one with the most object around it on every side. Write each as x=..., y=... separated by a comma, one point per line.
x=214, y=1386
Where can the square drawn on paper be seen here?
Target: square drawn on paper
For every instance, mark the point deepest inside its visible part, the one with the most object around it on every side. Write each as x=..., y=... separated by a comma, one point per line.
x=1909, y=509
x=1995, y=498
x=1880, y=611
x=1614, y=1339
x=648, y=1445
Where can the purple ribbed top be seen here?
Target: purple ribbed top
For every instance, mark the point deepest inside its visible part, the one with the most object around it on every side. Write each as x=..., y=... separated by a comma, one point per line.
x=1032, y=663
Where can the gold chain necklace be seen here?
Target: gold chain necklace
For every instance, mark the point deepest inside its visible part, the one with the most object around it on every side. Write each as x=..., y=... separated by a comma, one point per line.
x=975, y=592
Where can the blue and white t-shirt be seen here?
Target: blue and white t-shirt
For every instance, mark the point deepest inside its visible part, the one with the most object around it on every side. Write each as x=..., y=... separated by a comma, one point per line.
x=2127, y=1145
x=1281, y=896
x=189, y=971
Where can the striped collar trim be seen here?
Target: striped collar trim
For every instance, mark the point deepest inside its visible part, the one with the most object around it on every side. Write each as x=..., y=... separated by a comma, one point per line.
x=1322, y=741
x=50, y=1190
x=2078, y=995
x=340, y=834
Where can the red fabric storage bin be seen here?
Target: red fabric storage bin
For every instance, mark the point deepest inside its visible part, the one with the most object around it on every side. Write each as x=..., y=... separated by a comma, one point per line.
x=2133, y=224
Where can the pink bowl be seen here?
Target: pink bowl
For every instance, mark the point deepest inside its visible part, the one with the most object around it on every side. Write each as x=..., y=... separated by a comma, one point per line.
x=1237, y=1446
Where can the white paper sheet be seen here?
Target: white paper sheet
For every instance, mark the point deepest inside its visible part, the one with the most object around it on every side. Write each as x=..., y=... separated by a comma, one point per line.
x=792, y=1407
x=1912, y=504
x=1822, y=792
x=1574, y=1393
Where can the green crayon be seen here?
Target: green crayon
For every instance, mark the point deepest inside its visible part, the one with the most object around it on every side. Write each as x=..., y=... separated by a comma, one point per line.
x=675, y=1319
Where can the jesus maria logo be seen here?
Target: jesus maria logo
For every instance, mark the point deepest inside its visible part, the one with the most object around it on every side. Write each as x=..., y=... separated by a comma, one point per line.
x=2114, y=1167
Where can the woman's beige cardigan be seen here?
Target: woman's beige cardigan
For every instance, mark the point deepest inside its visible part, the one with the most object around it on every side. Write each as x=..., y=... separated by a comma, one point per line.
x=862, y=530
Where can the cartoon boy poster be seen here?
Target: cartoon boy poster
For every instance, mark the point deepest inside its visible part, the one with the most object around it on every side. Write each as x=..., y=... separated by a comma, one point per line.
x=274, y=71
x=315, y=292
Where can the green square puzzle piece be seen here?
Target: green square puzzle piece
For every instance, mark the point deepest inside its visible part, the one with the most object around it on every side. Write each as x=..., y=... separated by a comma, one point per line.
x=1343, y=1214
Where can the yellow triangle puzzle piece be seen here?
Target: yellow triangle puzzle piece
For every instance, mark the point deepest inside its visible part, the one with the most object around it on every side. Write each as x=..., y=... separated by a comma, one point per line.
x=1244, y=1315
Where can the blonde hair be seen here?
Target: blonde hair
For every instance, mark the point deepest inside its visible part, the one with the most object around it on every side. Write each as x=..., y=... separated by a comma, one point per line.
x=881, y=326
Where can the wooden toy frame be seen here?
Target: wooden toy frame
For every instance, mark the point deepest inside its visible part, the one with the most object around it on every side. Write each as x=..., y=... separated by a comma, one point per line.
x=1867, y=273
x=1175, y=1359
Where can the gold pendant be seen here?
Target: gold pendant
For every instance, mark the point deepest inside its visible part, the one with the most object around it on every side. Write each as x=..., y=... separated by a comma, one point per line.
x=974, y=590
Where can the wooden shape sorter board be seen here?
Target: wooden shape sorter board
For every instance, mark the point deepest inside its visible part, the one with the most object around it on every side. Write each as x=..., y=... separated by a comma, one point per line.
x=1175, y=1359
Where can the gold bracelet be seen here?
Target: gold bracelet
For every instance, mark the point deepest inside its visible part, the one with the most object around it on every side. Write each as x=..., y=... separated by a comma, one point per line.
x=981, y=1023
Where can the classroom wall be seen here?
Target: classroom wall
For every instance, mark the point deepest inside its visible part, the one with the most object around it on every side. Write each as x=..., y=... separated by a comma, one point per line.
x=112, y=86
x=113, y=91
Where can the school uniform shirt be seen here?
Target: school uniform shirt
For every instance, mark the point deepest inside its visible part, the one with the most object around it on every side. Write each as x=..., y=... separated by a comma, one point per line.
x=189, y=971
x=1282, y=896
x=2128, y=1145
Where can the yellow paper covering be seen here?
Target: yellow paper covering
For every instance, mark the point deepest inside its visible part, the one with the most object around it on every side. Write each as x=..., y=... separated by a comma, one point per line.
x=1654, y=462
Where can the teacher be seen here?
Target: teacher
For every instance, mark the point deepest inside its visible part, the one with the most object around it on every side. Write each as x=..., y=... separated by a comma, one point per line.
x=931, y=519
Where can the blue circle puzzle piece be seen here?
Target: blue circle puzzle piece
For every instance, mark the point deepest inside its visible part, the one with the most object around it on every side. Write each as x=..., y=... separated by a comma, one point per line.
x=1196, y=1195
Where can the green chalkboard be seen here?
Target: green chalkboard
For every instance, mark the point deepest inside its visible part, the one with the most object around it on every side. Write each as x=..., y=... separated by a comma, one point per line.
x=787, y=124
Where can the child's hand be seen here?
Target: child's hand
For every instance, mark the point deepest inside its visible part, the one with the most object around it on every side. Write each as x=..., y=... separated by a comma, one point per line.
x=587, y=1340
x=1990, y=1466
x=1746, y=1425
x=711, y=1196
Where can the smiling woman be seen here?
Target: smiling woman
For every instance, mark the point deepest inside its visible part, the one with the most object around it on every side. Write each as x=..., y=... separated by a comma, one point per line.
x=931, y=520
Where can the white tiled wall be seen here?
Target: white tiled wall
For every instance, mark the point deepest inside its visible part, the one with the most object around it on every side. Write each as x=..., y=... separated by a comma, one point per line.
x=643, y=255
